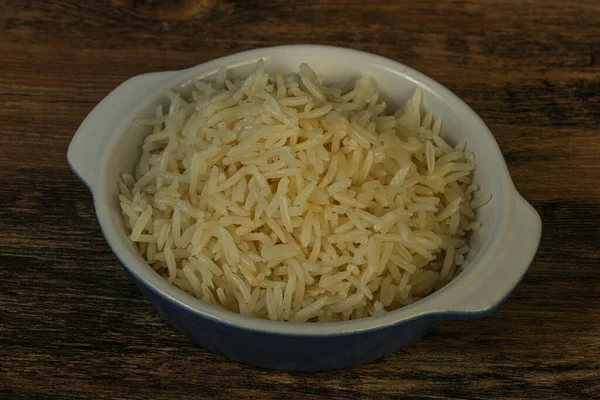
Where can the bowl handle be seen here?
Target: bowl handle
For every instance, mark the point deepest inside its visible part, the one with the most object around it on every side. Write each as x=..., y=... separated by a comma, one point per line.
x=514, y=255
x=91, y=140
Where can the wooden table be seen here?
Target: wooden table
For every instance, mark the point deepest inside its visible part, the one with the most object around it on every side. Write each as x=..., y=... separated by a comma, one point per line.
x=72, y=324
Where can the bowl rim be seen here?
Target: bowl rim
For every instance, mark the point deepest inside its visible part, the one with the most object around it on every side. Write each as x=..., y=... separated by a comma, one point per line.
x=433, y=306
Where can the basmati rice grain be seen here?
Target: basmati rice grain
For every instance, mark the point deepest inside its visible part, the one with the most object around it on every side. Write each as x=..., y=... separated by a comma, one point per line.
x=430, y=156
x=480, y=201
x=287, y=199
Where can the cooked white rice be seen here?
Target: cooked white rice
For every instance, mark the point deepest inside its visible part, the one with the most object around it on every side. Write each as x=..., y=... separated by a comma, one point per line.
x=283, y=198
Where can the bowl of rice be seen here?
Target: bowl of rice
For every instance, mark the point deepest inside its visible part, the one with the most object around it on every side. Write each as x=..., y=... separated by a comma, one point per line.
x=304, y=207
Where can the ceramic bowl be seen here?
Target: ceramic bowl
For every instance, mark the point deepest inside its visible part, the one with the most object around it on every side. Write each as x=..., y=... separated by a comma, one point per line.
x=108, y=143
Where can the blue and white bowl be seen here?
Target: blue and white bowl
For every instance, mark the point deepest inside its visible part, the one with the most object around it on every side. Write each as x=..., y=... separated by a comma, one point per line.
x=108, y=143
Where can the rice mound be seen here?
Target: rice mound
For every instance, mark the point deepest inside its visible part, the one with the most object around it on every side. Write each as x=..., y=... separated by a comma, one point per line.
x=284, y=198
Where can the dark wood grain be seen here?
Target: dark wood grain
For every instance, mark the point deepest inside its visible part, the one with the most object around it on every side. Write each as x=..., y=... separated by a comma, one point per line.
x=74, y=327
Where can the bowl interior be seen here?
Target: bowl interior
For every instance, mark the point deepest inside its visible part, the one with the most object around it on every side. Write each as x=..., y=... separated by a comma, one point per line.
x=396, y=84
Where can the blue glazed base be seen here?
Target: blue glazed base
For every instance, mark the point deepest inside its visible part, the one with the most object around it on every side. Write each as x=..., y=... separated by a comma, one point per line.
x=287, y=352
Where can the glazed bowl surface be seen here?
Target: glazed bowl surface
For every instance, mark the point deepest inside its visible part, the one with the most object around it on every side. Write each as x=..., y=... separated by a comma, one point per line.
x=108, y=143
